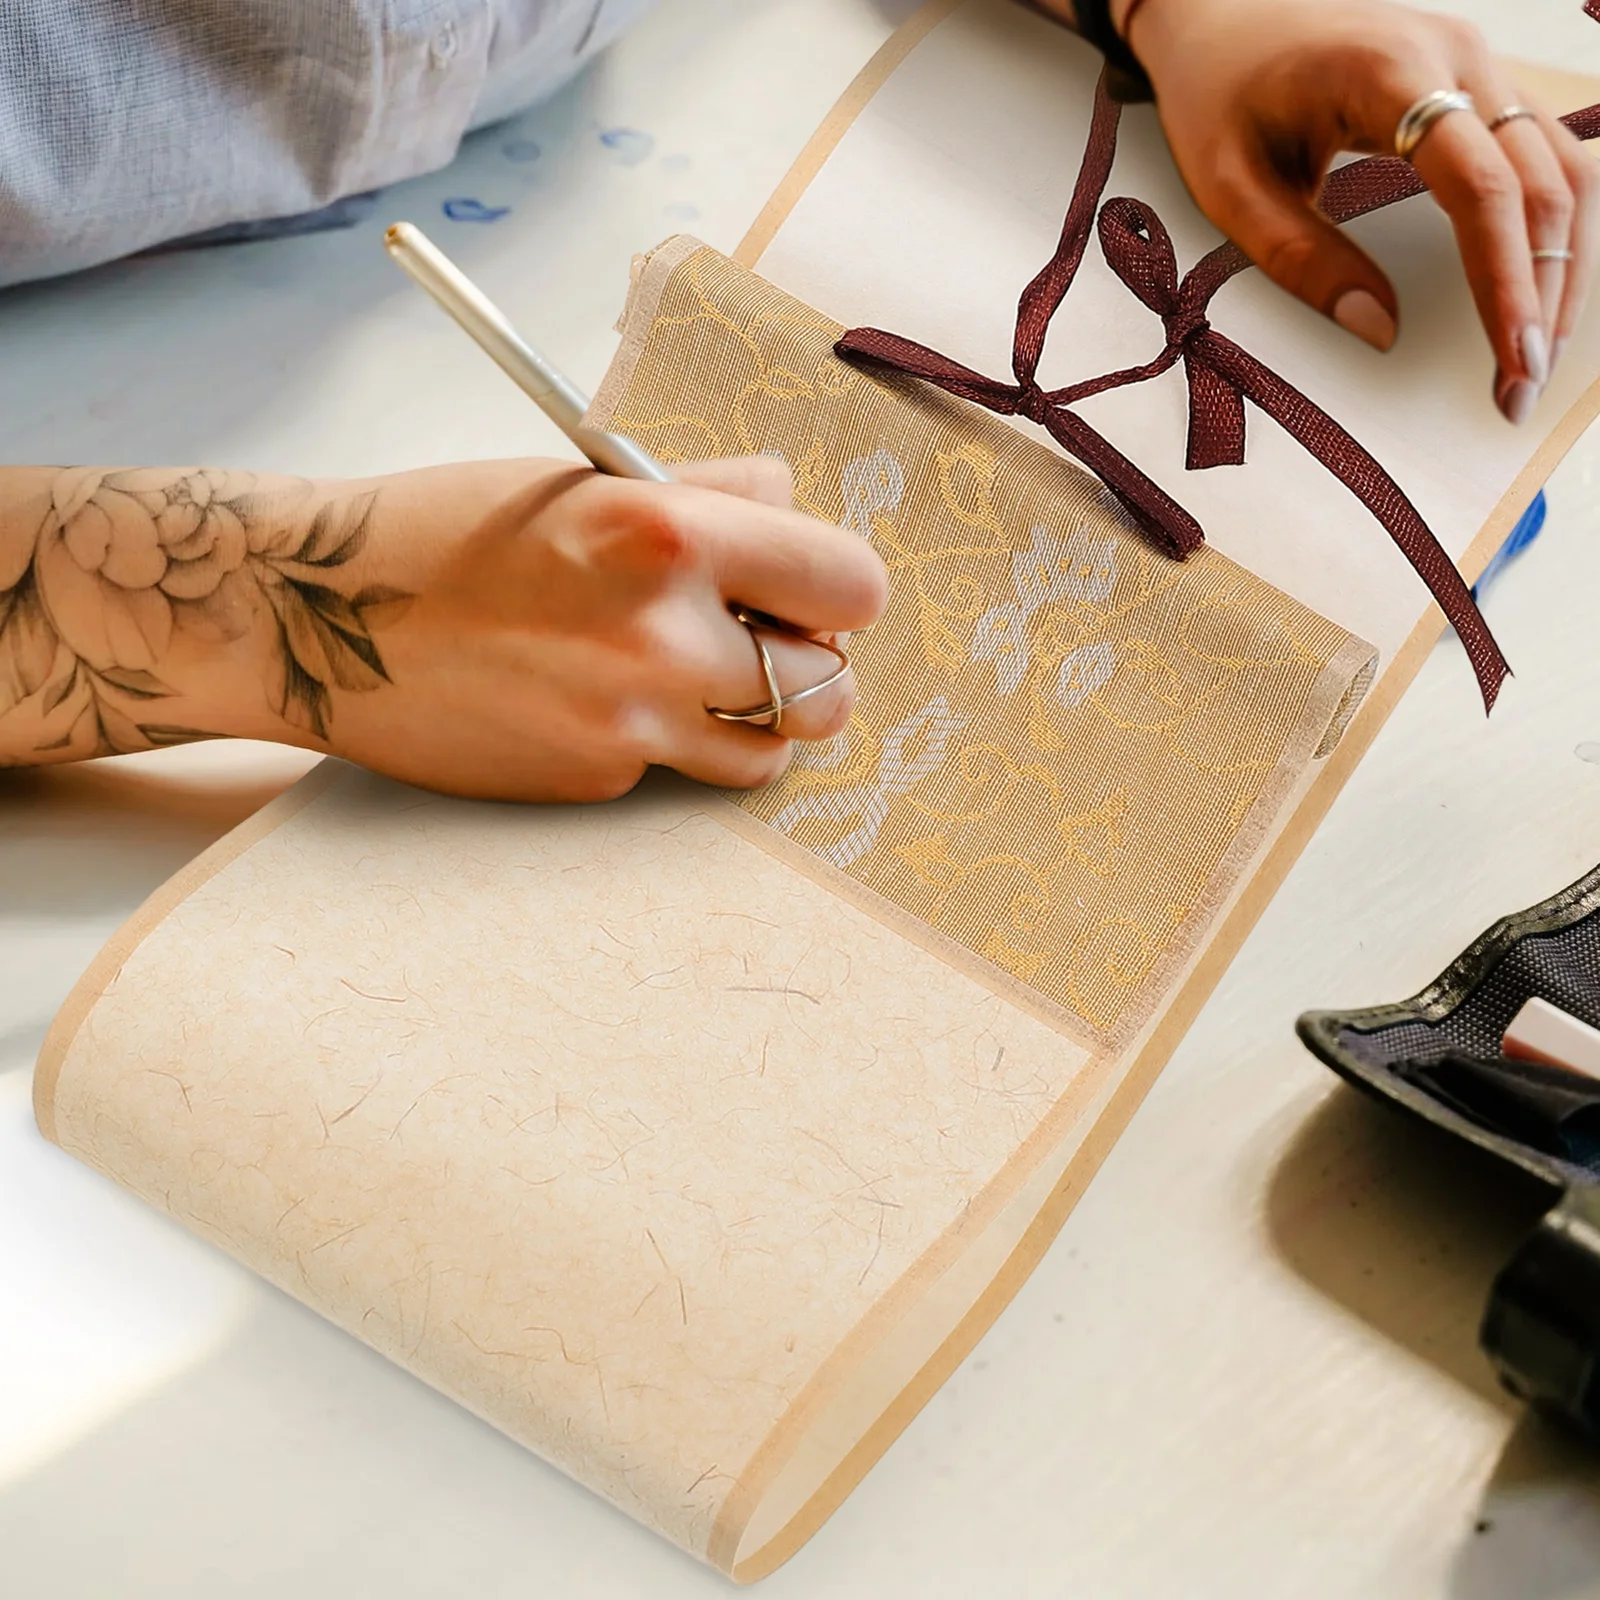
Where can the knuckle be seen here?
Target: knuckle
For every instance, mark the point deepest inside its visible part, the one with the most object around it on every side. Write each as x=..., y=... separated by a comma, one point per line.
x=603, y=781
x=1288, y=259
x=1465, y=37
x=659, y=534
x=1550, y=206
x=1230, y=184
x=1388, y=63
x=1489, y=185
x=771, y=765
x=752, y=761
x=665, y=649
x=615, y=784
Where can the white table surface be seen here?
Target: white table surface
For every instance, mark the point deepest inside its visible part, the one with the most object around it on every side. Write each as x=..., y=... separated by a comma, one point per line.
x=1248, y=1367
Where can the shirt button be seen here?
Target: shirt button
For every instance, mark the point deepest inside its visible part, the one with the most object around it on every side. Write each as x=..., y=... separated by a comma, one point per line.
x=442, y=51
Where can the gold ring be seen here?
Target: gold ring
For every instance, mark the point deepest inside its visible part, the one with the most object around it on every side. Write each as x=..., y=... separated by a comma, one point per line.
x=770, y=715
x=1552, y=255
x=1510, y=114
x=1419, y=118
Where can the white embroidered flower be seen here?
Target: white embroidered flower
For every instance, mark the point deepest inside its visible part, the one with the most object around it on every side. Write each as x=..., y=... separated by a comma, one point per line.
x=910, y=753
x=1002, y=637
x=1076, y=566
x=871, y=485
x=1085, y=670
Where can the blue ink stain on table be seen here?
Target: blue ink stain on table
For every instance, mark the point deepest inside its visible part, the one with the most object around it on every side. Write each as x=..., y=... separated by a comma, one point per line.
x=467, y=210
x=628, y=145
x=521, y=150
x=681, y=211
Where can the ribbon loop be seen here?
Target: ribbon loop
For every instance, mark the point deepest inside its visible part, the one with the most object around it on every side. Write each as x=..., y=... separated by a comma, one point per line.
x=1138, y=248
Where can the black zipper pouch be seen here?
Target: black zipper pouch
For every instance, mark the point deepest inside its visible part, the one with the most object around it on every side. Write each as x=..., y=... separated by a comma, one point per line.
x=1438, y=1057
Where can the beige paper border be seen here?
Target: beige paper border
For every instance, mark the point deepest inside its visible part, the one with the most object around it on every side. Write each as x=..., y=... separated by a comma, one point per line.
x=837, y=124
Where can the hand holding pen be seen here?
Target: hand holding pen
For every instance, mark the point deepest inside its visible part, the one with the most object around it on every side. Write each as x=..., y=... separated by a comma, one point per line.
x=606, y=622
x=516, y=630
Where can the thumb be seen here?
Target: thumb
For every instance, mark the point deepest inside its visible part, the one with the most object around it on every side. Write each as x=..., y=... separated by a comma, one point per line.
x=1303, y=252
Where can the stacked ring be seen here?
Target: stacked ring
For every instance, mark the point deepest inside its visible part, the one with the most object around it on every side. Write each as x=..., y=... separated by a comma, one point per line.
x=1419, y=118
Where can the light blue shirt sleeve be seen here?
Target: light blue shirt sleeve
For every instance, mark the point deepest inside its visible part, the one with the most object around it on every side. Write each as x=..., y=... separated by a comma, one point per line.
x=129, y=123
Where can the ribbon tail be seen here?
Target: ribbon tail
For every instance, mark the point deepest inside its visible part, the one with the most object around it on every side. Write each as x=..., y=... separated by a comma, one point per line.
x=1364, y=476
x=1216, y=418
x=1157, y=514
x=1042, y=298
x=918, y=361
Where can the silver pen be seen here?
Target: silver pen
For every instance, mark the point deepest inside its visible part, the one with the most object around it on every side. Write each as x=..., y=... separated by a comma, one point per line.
x=551, y=390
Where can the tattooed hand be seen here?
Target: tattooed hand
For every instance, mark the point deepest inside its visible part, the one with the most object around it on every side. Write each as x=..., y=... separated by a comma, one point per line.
x=517, y=630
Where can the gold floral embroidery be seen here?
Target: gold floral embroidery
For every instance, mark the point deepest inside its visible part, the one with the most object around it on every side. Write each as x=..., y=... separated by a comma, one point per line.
x=1066, y=744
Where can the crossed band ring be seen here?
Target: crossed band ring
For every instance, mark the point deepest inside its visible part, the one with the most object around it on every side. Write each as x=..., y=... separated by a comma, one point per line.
x=1419, y=118
x=770, y=715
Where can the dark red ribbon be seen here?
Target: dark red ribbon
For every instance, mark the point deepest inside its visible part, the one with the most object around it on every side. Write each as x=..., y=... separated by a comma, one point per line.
x=1221, y=375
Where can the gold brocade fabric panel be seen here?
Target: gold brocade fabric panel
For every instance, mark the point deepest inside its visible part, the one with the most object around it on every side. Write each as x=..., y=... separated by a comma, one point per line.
x=1065, y=742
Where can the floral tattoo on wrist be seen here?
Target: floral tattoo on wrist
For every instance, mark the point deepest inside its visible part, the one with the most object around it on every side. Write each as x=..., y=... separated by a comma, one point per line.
x=91, y=600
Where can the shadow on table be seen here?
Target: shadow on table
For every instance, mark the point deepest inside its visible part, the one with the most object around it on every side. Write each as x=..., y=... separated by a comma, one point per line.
x=1406, y=1228
x=101, y=836
x=294, y=1461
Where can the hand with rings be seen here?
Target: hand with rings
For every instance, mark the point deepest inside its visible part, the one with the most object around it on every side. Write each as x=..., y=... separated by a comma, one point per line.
x=571, y=630
x=1259, y=96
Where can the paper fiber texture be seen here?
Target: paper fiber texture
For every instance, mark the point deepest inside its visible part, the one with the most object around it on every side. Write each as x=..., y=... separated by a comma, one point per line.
x=679, y=1138
x=692, y=1142
x=600, y=1119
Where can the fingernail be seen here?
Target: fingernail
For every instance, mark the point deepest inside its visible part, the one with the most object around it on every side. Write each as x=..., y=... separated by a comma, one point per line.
x=1517, y=401
x=1535, y=355
x=1360, y=312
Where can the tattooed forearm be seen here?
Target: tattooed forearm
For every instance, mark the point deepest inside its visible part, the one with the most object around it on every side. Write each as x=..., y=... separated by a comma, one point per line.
x=134, y=603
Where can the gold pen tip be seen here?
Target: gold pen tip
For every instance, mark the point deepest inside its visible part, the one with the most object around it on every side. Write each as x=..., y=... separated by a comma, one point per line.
x=397, y=233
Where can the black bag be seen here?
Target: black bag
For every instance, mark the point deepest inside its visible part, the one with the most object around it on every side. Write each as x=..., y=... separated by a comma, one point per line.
x=1438, y=1056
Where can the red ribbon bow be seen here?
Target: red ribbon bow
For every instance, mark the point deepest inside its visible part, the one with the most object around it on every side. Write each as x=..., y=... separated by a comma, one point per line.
x=1221, y=375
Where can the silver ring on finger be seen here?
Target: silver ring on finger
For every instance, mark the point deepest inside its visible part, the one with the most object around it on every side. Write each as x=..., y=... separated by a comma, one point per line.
x=1418, y=119
x=1552, y=255
x=770, y=715
x=1510, y=114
